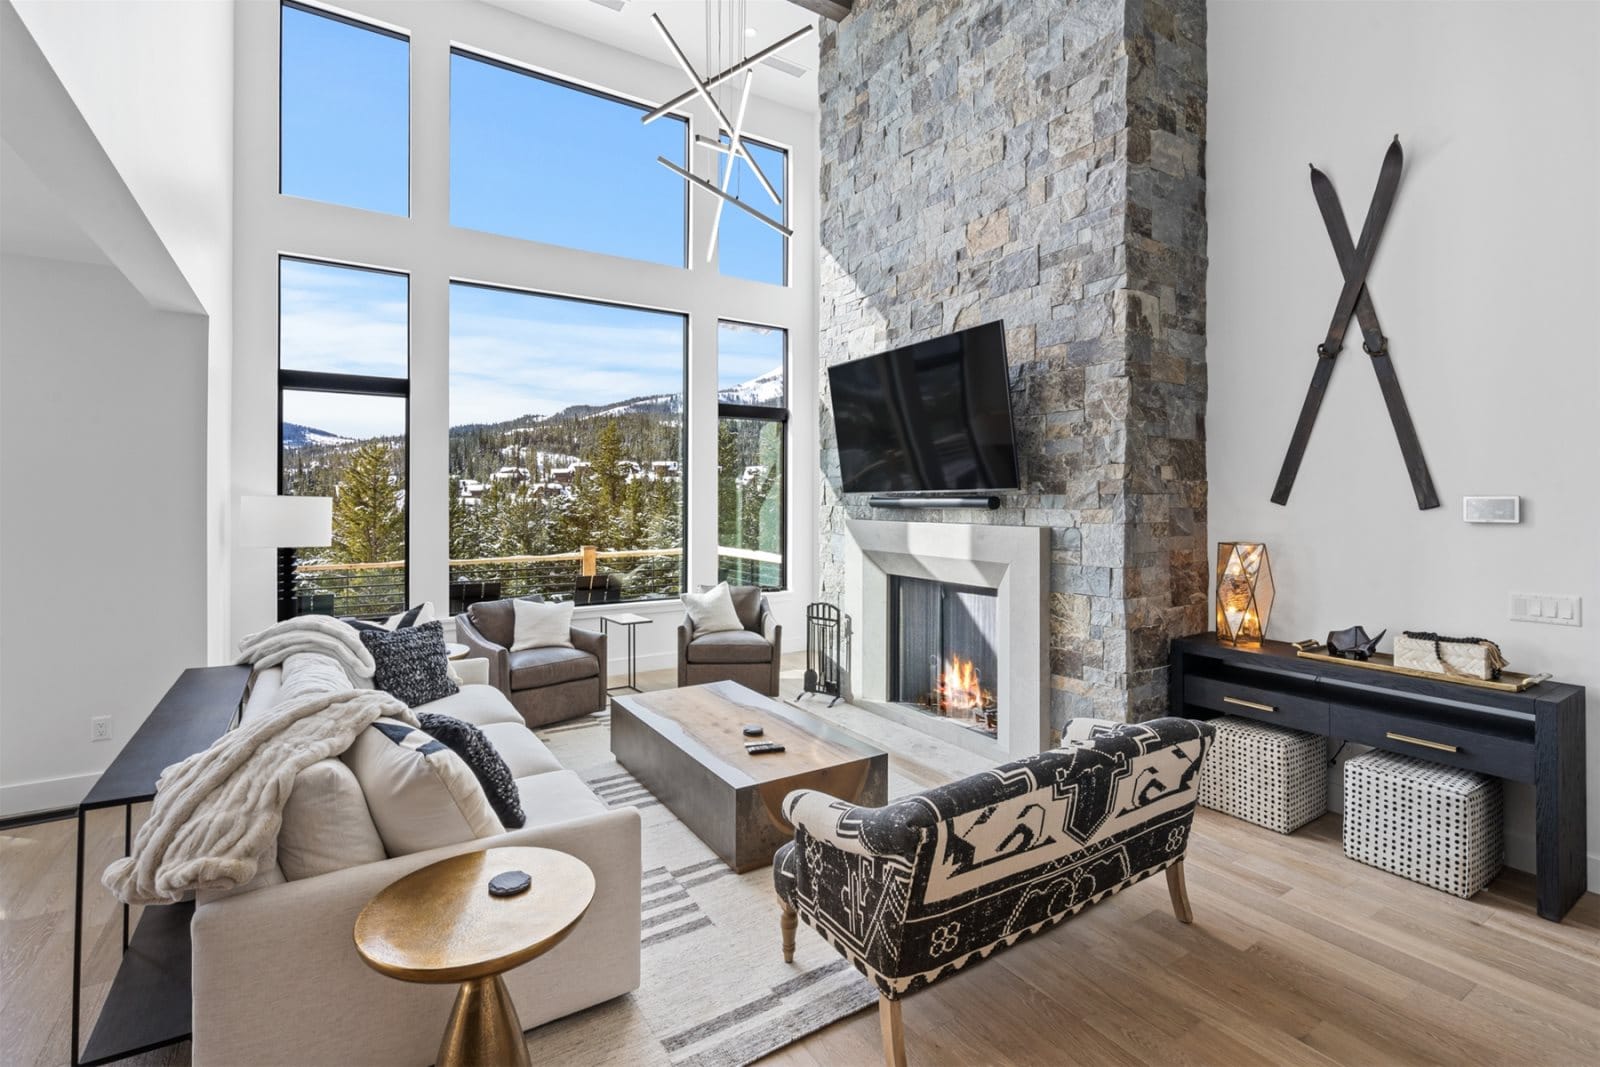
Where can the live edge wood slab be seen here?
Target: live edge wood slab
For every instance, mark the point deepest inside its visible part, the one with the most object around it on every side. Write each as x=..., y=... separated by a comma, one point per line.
x=1535, y=736
x=687, y=748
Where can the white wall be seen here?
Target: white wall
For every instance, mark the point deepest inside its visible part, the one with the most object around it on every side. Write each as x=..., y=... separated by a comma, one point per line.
x=102, y=520
x=1485, y=281
x=154, y=80
x=433, y=252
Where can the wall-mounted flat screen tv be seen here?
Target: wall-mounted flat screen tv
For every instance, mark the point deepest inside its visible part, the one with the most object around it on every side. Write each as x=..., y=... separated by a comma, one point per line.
x=934, y=416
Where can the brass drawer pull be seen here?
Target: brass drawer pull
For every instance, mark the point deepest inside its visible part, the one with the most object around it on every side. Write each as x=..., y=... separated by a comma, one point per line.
x=1440, y=745
x=1248, y=704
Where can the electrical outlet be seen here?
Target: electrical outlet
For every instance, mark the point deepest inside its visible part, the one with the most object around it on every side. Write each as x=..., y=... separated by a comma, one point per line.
x=1554, y=610
x=100, y=728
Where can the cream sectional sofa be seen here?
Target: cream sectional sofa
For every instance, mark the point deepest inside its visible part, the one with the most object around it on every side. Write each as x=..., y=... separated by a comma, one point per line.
x=276, y=975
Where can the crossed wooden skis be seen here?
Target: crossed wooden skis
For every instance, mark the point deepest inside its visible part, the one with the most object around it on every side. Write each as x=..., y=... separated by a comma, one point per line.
x=1354, y=262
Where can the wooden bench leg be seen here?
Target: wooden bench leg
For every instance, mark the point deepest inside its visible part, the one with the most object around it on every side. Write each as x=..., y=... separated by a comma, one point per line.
x=789, y=920
x=1180, y=893
x=894, y=1034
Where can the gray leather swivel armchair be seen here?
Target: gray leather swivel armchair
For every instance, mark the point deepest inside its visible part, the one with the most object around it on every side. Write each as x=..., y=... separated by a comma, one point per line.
x=545, y=684
x=749, y=656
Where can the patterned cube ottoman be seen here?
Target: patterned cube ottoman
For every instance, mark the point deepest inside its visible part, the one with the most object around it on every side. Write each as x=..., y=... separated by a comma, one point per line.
x=1267, y=775
x=1423, y=821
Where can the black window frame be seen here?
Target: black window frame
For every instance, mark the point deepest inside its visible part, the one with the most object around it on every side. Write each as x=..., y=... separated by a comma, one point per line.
x=765, y=413
x=309, y=381
x=684, y=419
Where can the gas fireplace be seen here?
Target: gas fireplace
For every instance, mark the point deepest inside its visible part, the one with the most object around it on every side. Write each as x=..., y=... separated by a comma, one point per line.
x=943, y=656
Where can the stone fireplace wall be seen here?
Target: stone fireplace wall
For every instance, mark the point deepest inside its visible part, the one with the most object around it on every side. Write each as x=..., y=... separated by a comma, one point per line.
x=1040, y=162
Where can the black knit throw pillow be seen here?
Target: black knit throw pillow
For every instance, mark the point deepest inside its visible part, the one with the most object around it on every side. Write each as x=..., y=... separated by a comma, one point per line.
x=411, y=663
x=468, y=742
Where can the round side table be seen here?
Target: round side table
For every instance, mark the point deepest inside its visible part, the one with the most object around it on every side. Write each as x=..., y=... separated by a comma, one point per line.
x=439, y=924
x=452, y=650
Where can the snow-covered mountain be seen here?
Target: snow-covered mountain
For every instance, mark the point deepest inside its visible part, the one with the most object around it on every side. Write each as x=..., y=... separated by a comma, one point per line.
x=297, y=436
x=765, y=390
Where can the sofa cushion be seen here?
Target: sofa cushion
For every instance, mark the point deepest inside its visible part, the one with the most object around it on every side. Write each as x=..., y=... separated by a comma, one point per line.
x=536, y=668
x=326, y=824
x=481, y=758
x=525, y=754
x=557, y=797
x=496, y=620
x=732, y=646
x=478, y=704
x=421, y=795
x=411, y=663
x=747, y=604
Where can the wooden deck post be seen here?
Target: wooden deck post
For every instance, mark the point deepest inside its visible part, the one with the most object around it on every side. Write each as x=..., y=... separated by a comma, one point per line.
x=586, y=568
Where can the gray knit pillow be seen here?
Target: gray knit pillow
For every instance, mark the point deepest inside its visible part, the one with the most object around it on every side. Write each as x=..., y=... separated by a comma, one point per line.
x=411, y=663
x=478, y=753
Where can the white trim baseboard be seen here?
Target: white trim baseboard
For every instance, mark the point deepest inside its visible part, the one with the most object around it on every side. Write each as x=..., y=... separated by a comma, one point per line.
x=45, y=794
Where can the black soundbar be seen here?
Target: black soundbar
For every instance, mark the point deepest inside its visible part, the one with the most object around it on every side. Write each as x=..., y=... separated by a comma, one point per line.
x=986, y=503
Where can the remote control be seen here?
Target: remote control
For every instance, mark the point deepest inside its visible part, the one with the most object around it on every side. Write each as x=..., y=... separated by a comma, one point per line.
x=761, y=748
x=752, y=730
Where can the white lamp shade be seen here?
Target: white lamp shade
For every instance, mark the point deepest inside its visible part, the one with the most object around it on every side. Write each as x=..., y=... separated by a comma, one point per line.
x=285, y=521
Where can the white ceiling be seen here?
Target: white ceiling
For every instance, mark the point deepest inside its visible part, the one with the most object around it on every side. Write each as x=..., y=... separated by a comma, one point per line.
x=631, y=30
x=33, y=221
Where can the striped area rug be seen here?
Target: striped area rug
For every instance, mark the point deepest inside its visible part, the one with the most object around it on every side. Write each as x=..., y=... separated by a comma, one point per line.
x=714, y=990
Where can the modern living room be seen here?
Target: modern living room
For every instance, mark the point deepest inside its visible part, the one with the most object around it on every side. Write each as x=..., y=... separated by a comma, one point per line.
x=706, y=532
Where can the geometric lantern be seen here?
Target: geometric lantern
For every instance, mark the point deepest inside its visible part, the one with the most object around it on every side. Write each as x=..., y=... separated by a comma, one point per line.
x=1244, y=592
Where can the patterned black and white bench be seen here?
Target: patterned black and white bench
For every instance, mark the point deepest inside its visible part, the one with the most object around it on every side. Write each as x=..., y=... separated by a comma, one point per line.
x=918, y=889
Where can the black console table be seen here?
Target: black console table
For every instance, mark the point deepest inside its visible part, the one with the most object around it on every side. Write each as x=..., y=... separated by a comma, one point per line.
x=1533, y=736
x=148, y=1005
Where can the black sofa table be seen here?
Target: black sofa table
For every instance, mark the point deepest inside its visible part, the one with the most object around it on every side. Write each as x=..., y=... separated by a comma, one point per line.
x=1534, y=736
x=148, y=1005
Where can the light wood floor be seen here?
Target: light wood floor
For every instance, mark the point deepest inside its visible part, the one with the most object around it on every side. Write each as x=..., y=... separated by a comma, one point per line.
x=1297, y=955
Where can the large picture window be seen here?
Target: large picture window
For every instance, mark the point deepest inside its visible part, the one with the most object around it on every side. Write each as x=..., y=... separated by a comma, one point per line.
x=752, y=418
x=343, y=398
x=566, y=446
x=344, y=111
x=543, y=160
x=748, y=247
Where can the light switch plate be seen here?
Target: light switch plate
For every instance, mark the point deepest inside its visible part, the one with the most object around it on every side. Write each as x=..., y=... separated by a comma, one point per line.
x=1555, y=610
x=1491, y=509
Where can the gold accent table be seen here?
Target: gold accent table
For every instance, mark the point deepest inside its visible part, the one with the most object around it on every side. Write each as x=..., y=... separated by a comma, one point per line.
x=439, y=924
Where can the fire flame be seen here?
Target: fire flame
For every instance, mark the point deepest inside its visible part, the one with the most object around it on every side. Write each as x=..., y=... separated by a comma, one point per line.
x=960, y=689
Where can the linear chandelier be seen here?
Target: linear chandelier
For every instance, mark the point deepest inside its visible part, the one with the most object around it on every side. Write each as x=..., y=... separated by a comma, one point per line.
x=731, y=151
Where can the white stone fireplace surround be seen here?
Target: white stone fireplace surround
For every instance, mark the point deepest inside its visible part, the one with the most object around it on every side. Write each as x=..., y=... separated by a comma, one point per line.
x=1012, y=560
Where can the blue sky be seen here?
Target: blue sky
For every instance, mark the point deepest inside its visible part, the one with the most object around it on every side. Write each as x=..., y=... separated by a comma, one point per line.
x=529, y=159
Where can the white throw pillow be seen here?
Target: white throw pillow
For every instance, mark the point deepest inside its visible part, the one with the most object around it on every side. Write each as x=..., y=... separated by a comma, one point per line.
x=541, y=625
x=420, y=794
x=712, y=612
x=326, y=824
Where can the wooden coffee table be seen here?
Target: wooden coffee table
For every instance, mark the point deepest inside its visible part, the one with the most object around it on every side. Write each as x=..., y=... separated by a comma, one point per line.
x=439, y=924
x=687, y=748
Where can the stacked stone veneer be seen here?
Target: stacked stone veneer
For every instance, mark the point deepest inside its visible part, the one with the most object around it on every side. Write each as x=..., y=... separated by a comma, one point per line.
x=1040, y=162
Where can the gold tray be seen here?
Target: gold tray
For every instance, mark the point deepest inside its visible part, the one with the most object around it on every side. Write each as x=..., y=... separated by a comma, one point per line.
x=1508, y=682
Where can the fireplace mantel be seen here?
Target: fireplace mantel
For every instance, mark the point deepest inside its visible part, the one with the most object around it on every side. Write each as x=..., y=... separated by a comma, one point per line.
x=1012, y=560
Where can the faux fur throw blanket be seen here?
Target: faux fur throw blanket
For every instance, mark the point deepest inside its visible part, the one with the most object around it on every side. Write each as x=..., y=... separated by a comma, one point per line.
x=309, y=633
x=216, y=815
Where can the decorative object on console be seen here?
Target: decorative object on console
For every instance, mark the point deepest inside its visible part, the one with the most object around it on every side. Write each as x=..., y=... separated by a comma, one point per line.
x=734, y=150
x=286, y=523
x=1353, y=643
x=1354, y=262
x=411, y=663
x=1508, y=682
x=1468, y=657
x=913, y=892
x=1245, y=592
x=1436, y=825
x=825, y=642
x=486, y=765
x=1268, y=775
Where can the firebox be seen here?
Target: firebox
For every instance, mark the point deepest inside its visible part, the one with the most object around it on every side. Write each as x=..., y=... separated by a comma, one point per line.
x=942, y=651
